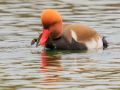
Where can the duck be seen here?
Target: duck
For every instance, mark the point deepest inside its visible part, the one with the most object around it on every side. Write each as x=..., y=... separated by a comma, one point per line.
x=67, y=36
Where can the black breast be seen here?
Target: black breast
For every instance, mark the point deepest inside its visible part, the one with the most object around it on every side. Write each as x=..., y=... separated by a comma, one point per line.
x=63, y=44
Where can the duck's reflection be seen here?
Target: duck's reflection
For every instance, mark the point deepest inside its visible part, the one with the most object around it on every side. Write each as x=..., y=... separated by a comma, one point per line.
x=49, y=61
x=50, y=66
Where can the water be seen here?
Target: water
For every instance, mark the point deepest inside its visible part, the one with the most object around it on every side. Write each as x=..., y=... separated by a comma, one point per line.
x=23, y=67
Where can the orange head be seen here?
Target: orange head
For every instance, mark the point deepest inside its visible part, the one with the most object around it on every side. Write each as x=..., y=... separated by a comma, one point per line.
x=52, y=25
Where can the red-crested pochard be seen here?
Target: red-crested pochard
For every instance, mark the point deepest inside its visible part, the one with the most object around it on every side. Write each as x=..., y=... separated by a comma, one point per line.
x=56, y=35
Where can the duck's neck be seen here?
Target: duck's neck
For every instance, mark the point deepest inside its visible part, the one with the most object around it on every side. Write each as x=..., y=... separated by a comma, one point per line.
x=56, y=31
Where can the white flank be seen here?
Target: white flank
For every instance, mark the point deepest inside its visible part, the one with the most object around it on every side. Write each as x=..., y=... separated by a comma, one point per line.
x=94, y=44
x=74, y=36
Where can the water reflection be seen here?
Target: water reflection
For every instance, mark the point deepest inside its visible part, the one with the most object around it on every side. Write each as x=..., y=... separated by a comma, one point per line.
x=50, y=61
x=51, y=67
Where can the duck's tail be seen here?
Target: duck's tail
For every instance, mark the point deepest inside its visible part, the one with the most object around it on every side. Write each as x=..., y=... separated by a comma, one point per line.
x=105, y=43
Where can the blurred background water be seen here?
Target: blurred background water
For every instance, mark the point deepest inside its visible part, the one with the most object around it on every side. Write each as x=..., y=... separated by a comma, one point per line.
x=23, y=67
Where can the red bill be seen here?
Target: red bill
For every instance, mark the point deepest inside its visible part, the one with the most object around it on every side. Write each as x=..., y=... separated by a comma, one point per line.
x=44, y=37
